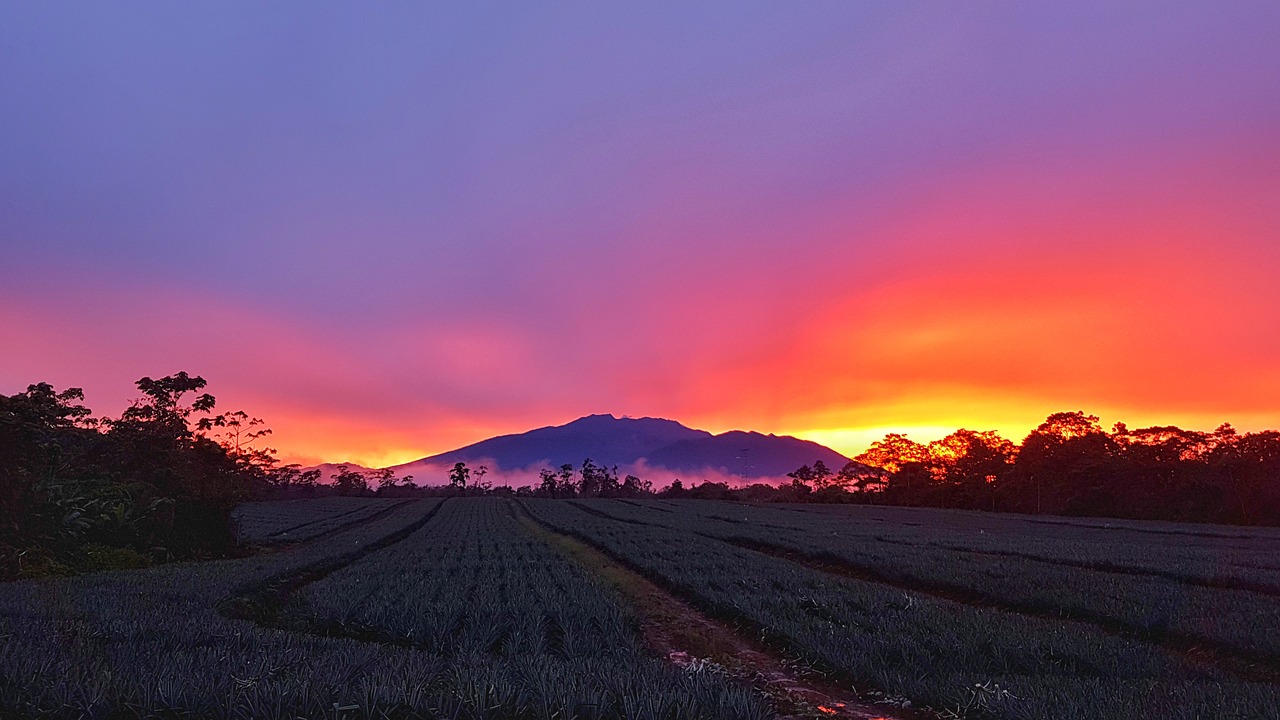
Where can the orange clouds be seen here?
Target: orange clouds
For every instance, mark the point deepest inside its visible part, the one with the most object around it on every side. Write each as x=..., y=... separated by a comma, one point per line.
x=1135, y=286
x=1137, y=283
x=1170, y=339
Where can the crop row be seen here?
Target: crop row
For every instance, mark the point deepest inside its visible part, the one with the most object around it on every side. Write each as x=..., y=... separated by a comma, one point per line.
x=151, y=643
x=946, y=654
x=474, y=586
x=1154, y=605
x=1231, y=557
x=294, y=520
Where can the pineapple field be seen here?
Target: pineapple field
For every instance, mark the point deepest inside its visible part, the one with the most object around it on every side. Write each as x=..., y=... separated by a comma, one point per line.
x=490, y=607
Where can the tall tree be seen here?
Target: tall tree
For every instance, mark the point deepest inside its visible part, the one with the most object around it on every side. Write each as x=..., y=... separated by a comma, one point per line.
x=907, y=463
x=43, y=440
x=350, y=482
x=802, y=481
x=1064, y=466
x=550, y=486
x=823, y=476
x=590, y=479
x=861, y=478
x=459, y=475
x=565, y=481
x=970, y=465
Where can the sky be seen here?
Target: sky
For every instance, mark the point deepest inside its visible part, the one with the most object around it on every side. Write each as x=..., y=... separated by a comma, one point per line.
x=391, y=233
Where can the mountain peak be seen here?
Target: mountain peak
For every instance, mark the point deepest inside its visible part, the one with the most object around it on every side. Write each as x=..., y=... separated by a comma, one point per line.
x=603, y=438
x=594, y=418
x=625, y=441
x=745, y=453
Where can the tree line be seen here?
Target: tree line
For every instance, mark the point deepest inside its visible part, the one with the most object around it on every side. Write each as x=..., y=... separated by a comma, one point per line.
x=566, y=481
x=158, y=483
x=80, y=492
x=1068, y=465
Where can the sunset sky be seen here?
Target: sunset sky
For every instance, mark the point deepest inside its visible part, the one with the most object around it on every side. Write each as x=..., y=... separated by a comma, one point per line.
x=393, y=233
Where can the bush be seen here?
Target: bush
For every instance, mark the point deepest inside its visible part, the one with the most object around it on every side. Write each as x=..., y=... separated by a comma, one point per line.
x=36, y=563
x=97, y=558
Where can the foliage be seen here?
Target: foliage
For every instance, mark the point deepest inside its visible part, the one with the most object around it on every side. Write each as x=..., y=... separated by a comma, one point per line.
x=459, y=475
x=1070, y=465
x=159, y=482
x=589, y=480
x=350, y=482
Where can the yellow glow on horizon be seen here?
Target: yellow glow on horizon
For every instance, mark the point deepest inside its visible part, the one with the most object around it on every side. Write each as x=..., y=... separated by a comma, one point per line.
x=851, y=430
x=850, y=442
x=853, y=440
x=310, y=439
x=370, y=457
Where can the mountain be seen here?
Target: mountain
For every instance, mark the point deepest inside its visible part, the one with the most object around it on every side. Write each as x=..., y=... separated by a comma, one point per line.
x=745, y=454
x=605, y=439
x=624, y=442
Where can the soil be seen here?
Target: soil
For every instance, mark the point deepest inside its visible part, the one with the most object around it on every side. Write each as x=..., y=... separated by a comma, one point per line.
x=686, y=637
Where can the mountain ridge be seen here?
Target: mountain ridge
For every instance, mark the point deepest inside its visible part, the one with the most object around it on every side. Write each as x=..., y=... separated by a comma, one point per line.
x=654, y=443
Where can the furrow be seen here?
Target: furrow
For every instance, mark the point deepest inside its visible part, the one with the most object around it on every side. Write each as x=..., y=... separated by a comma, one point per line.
x=1250, y=666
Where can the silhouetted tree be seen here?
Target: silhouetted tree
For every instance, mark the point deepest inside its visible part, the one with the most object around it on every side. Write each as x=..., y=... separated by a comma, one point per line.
x=633, y=487
x=1248, y=469
x=861, y=478
x=710, y=491
x=291, y=480
x=565, y=485
x=801, y=481
x=43, y=441
x=907, y=463
x=969, y=467
x=350, y=482
x=590, y=479
x=609, y=486
x=674, y=490
x=188, y=483
x=459, y=476
x=550, y=486
x=1065, y=466
x=823, y=476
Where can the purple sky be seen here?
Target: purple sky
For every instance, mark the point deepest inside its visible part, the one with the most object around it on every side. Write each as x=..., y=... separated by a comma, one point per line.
x=392, y=233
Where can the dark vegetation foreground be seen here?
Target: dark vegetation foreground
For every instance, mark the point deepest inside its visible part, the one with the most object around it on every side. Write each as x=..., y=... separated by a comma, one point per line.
x=83, y=493
x=471, y=608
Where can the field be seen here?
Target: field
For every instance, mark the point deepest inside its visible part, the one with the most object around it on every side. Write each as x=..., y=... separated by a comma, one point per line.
x=281, y=521
x=503, y=608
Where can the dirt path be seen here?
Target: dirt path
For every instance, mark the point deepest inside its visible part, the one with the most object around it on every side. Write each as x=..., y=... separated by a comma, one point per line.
x=1194, y=649
x=677, y=631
